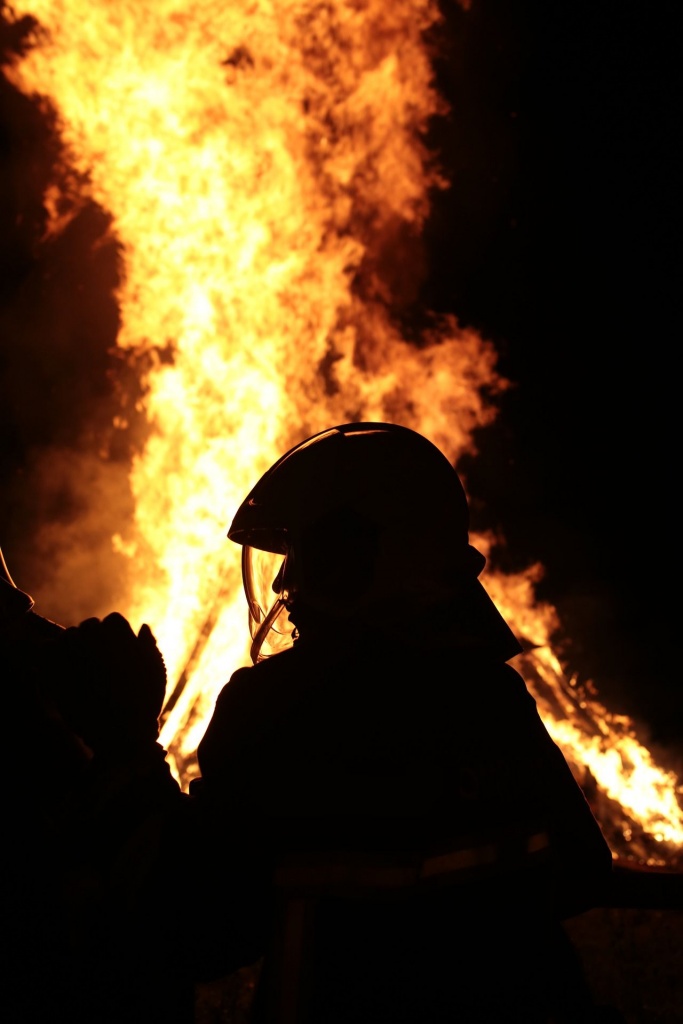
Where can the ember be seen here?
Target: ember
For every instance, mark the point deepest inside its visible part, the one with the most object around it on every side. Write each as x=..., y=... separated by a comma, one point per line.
x=265, y=177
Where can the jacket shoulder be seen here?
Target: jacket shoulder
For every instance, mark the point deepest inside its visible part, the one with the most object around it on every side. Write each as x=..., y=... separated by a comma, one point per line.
x=253, y=697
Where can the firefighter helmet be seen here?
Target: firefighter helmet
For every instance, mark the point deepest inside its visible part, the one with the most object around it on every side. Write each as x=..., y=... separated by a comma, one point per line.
x=364, y=521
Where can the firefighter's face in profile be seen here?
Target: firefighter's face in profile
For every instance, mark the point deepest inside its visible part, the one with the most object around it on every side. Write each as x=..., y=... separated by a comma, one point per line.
x=301, y=612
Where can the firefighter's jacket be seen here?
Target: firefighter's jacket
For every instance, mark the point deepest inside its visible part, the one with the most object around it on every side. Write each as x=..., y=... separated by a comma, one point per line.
x=442, y=756
x=412, y=777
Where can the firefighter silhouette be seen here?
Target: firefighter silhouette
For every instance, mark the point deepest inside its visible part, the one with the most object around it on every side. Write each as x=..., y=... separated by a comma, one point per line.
x=426, y=835
x=88, y=790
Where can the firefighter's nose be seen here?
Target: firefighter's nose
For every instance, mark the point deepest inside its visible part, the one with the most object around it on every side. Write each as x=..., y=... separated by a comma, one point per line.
x=284, y=581
x=279, y=579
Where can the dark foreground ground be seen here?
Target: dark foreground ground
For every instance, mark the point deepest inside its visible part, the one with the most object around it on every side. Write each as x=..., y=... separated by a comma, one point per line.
x=633, y=958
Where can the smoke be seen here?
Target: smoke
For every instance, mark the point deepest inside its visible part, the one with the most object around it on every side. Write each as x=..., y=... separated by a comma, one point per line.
x=67, y=400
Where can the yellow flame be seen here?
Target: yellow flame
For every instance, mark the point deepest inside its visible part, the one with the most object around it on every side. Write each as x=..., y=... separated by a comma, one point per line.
x=263, y=163
x=593, y=740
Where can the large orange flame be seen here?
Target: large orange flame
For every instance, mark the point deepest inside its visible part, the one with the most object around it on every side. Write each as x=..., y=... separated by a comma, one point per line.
x=263, y=164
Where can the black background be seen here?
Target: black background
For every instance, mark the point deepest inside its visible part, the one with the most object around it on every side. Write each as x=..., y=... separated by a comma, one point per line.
x=558, y=240
x=561, y=145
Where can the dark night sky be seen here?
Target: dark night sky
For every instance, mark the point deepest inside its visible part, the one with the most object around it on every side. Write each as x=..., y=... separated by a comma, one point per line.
x=569, y=192
x=558, y=241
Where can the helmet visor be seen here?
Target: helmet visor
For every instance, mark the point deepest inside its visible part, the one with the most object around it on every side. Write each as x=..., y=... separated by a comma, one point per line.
x=269, y=625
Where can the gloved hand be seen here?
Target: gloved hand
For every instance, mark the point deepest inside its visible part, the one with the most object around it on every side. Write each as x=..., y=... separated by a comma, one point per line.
x=108, y=684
